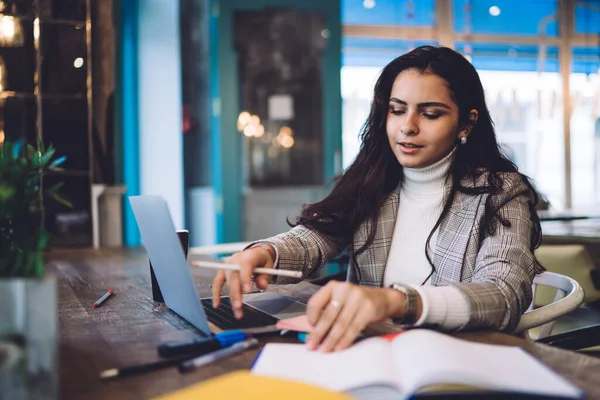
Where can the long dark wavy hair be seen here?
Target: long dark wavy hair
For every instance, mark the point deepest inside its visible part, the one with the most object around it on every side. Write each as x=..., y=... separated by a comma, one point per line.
x=360, y=191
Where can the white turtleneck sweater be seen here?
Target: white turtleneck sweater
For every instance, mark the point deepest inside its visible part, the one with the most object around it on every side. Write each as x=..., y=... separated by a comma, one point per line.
x=421, y=203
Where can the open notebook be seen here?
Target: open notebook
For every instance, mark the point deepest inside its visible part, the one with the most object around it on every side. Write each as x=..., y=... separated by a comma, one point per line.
x=416, y=361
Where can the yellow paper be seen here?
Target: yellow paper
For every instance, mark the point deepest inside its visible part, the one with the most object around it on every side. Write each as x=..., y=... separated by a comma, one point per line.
x=245, y=385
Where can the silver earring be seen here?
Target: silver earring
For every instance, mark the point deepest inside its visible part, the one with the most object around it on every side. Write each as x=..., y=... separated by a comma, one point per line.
x=463, y=140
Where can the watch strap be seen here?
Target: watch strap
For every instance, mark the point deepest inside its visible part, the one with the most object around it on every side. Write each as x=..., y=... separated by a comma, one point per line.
x=411, y=300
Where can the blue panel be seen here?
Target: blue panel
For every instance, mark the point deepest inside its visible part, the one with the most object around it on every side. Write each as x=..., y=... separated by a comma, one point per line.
x=587, y=17
x=129, y=90
x=389, y=12
x=505, y=57
x=215, y=122
x=521, y=17
x=586, y=60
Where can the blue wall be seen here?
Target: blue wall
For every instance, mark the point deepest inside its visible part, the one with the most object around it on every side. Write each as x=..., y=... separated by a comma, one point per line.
x=148, y=93
x=126, y=94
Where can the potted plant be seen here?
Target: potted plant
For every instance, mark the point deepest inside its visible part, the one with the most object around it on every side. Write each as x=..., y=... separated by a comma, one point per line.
x=28, y=294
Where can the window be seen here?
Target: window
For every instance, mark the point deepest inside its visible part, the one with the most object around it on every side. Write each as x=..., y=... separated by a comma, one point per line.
x=515, y=48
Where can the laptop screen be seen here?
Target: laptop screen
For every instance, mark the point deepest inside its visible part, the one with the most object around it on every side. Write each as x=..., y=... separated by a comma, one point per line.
x=168, y=260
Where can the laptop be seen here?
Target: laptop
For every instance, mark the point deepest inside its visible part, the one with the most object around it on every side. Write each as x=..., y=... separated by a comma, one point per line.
x=177, y=286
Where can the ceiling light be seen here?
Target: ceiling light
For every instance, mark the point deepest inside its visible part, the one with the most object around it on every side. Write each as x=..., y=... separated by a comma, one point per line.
x=78, y=62
x=369, y=3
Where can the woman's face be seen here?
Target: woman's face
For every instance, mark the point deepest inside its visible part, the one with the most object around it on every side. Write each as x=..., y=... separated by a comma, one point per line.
x=422, y=120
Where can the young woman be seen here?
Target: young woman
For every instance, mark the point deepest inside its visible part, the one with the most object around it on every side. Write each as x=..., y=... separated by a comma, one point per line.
x=440, y=225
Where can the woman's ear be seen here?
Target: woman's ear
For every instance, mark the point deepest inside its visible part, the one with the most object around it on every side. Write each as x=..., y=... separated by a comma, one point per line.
x=466, y=129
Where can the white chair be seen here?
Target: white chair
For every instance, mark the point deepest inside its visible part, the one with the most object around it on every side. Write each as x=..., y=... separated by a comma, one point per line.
x=569, y=296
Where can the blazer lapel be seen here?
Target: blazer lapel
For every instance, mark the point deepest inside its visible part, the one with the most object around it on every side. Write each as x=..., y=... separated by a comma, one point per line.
x=453, y=237
x=372, y=262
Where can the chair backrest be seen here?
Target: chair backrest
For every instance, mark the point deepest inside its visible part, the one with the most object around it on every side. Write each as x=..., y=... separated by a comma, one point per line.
x=569, y=296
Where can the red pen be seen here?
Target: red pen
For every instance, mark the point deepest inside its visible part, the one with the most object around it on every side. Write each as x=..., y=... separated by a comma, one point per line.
x=101, y=299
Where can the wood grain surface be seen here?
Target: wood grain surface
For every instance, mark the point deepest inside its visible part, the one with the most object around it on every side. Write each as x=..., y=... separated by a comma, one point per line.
x=129, y=326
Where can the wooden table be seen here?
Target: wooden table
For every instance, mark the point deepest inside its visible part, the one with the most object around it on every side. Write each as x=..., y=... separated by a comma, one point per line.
x=126, y=329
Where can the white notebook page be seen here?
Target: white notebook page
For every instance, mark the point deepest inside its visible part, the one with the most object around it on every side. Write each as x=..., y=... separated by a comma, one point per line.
x=425, y=357
x=365, y=363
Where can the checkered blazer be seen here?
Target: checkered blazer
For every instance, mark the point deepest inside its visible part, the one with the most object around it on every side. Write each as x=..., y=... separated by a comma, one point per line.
x=494, y=274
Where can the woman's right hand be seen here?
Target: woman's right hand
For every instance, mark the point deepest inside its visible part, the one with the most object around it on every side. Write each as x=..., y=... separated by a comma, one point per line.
x=239, y=282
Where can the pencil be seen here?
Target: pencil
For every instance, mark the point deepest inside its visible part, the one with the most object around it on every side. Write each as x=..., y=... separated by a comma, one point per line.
x=141, y=368
x=256, y=271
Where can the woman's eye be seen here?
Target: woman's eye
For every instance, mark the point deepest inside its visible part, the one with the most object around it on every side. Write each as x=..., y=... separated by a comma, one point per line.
x=431, y=116
x=396, y=112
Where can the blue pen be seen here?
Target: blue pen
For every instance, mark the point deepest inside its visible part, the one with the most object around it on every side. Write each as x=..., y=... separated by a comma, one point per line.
x=206, y=359
x=302, y=337
x=202, y=345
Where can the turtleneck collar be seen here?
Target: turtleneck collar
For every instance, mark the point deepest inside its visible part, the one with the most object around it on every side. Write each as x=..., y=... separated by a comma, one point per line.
x=428, y=180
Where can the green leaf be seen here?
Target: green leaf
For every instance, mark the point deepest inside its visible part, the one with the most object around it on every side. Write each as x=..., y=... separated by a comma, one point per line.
x=55, y=187
x=23, y=238
x=61, y=200
x=39, y=264
x=36, y=160
x=6, y=193
x=40, y=144
x=30, y=151
x=47, y=156
x=43, y=241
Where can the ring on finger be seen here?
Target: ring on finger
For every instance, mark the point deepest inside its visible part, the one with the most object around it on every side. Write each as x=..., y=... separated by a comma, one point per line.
x=336, y=304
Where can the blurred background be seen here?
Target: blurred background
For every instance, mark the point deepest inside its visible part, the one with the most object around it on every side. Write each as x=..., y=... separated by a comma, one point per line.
x=240, y=111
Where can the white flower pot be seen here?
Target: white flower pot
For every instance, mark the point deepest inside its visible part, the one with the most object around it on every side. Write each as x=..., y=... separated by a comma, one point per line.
x=28, y=338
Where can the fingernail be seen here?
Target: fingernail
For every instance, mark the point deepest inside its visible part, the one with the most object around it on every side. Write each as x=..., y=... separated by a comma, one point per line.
x=310, y=346
x=247, y=287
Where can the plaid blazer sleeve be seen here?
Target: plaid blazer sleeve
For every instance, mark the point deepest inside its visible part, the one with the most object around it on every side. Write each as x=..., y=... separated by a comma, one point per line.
x=501, y=286
x=303, y=249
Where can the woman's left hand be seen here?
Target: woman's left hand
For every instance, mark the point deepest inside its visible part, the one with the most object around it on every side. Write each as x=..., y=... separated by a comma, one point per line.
x=340, y=311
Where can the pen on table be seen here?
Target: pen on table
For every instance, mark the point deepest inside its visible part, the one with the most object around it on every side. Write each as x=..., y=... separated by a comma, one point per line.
x=235, y=267
x=199, y=346
x=217, y=341
x=138, y=369
x=101, y=299
x=189, y=365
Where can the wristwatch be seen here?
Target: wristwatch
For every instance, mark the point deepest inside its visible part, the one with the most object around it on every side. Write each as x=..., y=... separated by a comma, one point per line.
x=412, y=299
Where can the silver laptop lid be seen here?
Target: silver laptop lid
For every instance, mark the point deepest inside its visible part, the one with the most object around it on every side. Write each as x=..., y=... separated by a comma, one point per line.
x=168, y=260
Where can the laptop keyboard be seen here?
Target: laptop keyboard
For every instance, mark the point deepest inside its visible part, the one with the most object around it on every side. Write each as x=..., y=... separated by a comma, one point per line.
x=223, y=316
